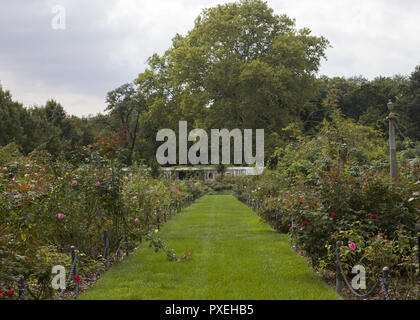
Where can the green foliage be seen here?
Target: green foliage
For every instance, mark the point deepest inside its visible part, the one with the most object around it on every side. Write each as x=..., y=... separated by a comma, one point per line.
x=158, y=244
x=125, y=105
x=221, y=168
x=9, y=153
x=357, y=95
x=409, y=108
x=155, y=170
x=339, y=140
x=366, y=101
x=241, y=66
x=356, y=205
x=11, y=113
x=48, y=206
x=41, y=128
x=336, y=186
x=221, y=184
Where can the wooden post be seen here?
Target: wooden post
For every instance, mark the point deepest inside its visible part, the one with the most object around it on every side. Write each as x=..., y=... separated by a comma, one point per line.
x=392, y=146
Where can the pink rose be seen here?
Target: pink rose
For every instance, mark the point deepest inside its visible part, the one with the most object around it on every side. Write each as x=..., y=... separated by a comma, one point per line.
x=97, y=183
x=352, y=246
x=74, y=182
x=134, y=197
x=137, y=221
x=60, y=216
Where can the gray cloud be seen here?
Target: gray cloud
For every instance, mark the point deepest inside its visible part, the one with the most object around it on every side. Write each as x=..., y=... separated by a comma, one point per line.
x=106, y=43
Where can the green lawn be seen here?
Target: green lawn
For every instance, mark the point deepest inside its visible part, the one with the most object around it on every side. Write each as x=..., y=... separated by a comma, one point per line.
x=236, y=256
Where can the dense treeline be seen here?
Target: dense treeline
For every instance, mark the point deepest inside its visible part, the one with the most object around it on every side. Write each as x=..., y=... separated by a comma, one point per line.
x=366, y=101
x=44, y=128
x=241, y=66
x=64, y=179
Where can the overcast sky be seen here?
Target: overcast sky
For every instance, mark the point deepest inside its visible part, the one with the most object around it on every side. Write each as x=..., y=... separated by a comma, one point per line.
x=106, y=43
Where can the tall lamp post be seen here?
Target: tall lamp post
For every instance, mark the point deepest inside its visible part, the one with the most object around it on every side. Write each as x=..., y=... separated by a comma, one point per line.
x=392, y=147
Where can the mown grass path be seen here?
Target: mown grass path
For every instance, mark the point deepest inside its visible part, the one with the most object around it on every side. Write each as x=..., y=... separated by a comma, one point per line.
x=236, y=256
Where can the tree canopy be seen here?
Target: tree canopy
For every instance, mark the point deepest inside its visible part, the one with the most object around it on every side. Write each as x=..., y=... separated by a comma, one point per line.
x=241, y=66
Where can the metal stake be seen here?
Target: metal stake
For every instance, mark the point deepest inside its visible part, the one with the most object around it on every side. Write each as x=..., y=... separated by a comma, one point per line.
x=337, y=271
x=385, y=274
x=106, y=252
x=22, y=288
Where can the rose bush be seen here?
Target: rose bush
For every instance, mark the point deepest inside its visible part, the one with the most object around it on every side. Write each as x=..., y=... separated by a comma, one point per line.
x=47, y=206
x=335, y=203
x=334, y=181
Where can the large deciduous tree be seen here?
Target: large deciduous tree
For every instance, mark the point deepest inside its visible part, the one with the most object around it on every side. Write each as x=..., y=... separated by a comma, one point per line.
x=241, y=66
x=125, y=105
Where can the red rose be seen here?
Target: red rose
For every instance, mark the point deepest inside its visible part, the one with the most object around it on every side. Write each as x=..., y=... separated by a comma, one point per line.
x=294, y=228
x=316, y=203
x=77, y=278
x=2, y=293
x=334, y=215
x=334, y=208
x=310, y=223
x=288, y=225
x=300, y=202
x=373, y=216
x=304, y=223
x=11, y=293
